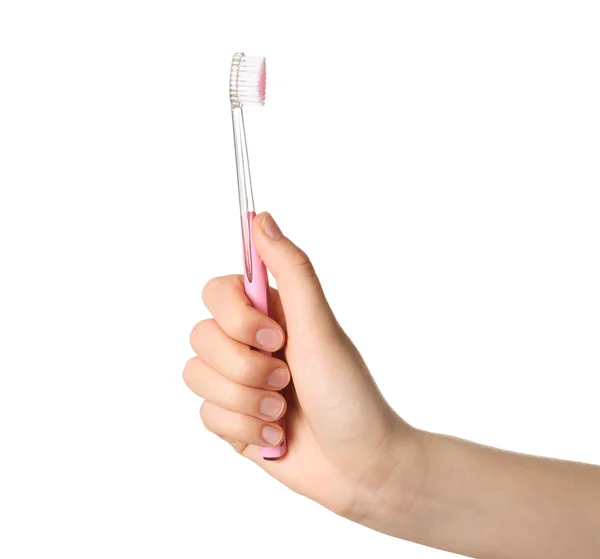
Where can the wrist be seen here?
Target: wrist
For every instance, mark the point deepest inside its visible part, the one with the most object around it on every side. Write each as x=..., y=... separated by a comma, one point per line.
x=388, y=498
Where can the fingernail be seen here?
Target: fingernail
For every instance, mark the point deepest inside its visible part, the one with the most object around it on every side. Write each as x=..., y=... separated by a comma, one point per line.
x=269, y=338
x=271, y=228
x=278, y=378
x=271, y=407
x=272, y=435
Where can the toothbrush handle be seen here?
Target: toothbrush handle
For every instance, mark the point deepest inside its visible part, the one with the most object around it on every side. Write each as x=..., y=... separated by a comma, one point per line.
x=256, y=286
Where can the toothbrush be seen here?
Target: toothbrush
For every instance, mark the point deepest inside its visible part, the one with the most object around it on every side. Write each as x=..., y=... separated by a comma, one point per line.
x=247, y=84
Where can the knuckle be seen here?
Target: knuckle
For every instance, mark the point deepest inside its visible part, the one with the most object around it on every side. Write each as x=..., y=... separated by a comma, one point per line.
x=303, y=264
x=238, y=398
x=210, y=288
x=218, y=287
x=246, y=371
x=239, y=325
x=204, y=414
x=201, y=329
x=189, y=370
x=239, y=425
x=208, y=417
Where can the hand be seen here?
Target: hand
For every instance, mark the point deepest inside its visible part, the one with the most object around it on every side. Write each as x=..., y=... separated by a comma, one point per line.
x=345, y=444
x=349, y=451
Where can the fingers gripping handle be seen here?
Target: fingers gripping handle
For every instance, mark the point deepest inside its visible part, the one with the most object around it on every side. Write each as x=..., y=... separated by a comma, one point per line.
x=256, y=286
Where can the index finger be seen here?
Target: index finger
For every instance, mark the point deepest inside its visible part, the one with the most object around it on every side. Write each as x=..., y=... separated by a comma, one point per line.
x=224, y=297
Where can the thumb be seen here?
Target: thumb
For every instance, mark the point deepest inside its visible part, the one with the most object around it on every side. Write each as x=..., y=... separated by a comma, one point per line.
x=305, y=306
x=344, y=398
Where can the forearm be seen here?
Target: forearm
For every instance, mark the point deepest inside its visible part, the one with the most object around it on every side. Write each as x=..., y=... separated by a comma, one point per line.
x=491, y=504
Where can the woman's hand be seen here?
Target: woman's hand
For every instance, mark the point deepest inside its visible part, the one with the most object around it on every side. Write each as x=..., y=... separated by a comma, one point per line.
x=349, y=451
x=345, y=444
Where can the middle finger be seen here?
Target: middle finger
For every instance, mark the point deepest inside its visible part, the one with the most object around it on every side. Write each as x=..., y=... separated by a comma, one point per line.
x=237, y=361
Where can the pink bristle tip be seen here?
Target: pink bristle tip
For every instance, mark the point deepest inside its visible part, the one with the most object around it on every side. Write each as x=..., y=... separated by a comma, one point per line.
x=262, y=84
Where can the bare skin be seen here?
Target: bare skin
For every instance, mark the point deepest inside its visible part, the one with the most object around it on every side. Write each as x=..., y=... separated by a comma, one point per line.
x=349, y=451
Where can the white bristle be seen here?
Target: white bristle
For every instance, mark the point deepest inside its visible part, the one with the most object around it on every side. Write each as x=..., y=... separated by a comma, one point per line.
x=247, y=81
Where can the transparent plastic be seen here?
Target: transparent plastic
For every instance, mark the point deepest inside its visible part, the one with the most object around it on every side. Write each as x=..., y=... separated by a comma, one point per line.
x=242, y=163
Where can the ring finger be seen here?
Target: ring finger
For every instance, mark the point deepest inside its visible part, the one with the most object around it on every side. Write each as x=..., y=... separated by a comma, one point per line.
x=211, y=385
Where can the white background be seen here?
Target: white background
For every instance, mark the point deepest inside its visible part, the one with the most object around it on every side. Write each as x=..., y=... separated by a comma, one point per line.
x=437, y=160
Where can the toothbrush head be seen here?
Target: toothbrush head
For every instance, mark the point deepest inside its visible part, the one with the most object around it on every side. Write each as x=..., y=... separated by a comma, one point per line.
x=247, y=80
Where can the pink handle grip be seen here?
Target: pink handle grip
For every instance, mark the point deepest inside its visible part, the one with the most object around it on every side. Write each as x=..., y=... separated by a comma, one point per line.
x=256, y=286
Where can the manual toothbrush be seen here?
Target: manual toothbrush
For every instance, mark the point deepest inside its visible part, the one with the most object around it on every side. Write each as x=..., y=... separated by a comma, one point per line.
x=247, y=84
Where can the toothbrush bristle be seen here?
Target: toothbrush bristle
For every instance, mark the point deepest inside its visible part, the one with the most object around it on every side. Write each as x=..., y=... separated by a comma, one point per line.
x=248, y=80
